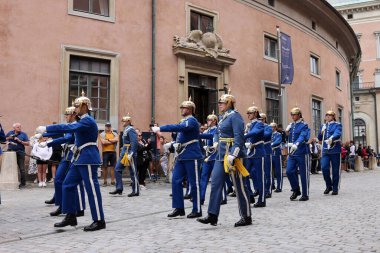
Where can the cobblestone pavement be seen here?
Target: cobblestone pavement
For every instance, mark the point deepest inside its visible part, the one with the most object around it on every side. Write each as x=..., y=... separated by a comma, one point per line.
x=348, y=222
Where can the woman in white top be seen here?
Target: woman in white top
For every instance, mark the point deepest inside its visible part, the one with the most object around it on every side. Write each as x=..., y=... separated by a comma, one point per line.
x=44, y=154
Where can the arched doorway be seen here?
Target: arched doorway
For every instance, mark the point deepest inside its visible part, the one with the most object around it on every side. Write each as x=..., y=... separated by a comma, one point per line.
x=360, y=132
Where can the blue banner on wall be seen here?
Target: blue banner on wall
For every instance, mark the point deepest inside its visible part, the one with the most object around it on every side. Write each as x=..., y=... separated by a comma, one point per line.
x=287, y=69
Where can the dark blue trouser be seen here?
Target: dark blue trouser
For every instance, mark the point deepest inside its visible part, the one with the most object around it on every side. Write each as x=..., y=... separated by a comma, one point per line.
x=89, y=175
x=218, y=179
x=205, y=177
x=268, y=173
x=334, y=160
x=303, y=164
x=133, y=172
x=189, y=169
x=277, y=165
x=62, y=170
x=256, y=171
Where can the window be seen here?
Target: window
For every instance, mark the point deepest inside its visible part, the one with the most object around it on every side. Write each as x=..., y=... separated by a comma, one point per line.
x=340, y=115
x=272, y=105
x=313, y=25
x=201, y=22
x=357, y=98
x=360, y=132
x=336, y=45
x=93, y=77
x=270, y=47
x=271, y=3
x=103, y=10
x=316, y=115
x=314, y=65
x=98, y=7
x=377, y=34
x=337, y=78
x=350, y=16
x=377, y=78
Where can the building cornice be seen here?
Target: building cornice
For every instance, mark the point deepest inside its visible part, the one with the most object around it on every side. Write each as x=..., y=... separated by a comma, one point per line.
x=357, y=8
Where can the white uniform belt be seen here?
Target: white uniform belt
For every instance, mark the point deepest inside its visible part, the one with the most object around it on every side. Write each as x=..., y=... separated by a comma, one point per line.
x=257, y=143
x=267, y=142
x=276, y=146
x=77, y=150
x=183, y=145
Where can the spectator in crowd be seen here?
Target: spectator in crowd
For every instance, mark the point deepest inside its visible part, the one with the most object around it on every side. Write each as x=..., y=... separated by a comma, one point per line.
x=2, y=137
x=109, y=140
x=43, y=154
x=155, y=152
x=343, y=158
x=315, y=149
x=163, y=158
x=359, y=151
x=351, y=159
x=365, y=156
x=55, y=158
x=17, y=142
x=32, y=168
x=143, y=158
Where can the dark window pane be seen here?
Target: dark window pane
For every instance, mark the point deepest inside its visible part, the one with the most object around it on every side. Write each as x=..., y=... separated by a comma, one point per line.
x=81, y=5
x=103, y=93
x=100, y=7
x=104, y=68
x=103, y=82
x=194, y=21
x=84, y=65
x=206, y=24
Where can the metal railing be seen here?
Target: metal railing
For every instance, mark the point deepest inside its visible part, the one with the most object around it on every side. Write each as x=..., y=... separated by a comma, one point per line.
x=363, y=85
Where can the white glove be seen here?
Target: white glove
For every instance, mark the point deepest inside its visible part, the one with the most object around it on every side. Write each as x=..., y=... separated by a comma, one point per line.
x=205, y=147
x=288, y=127
x=155, y=129
x=328, y=141
x=42, y=144
x=37, y=136
x=130, y=156
x=293, y=149
x=323, y=128
x=230, y=159
x=41, y=129
x=215, y=145
x=247, y=145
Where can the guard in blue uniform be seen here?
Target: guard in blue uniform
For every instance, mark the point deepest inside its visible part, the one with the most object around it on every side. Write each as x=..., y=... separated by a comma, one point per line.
x=208, y=164
x=254, y=142
x=68, y=141
x=128, y=157
x=276, y=157
x=268, y=156
x=330, y=136
x=298, y=132
x=85, y=161
x=187, y=161
x=229, y=141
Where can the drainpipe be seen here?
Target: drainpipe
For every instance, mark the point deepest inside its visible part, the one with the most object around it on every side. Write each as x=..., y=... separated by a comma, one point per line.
x=373, y=93
x=153, y=118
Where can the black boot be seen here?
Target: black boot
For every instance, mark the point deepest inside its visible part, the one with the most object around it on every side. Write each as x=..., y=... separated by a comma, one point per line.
x=259, y=204
x=233, y=194
x=56, y=212
x=116, y=192
x=211, y=219
x=187, y=196
x=177, y=212
x=256, y=193
x=230, y=190
x=69, y=220
x=328, y=190
x=304, y=198
x=223, y=202
x=96, y=225
x=80, y=213
x=245, y=221
x=334, y=193
x=278, y=190
x=295, y=194
x=133, y=194
x=194, y=215
x=50, y=201
x=252, y=199
x=268, y=195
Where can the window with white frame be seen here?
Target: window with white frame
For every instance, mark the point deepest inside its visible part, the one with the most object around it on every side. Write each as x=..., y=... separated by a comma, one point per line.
x=337, y=78
x=270, y=47
x=377, y=34
x=377, y=77
x=92, y=76
x=200, y=21
x=316, y=106
x=314, y=65
x=340, y=115
x=95, y=9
